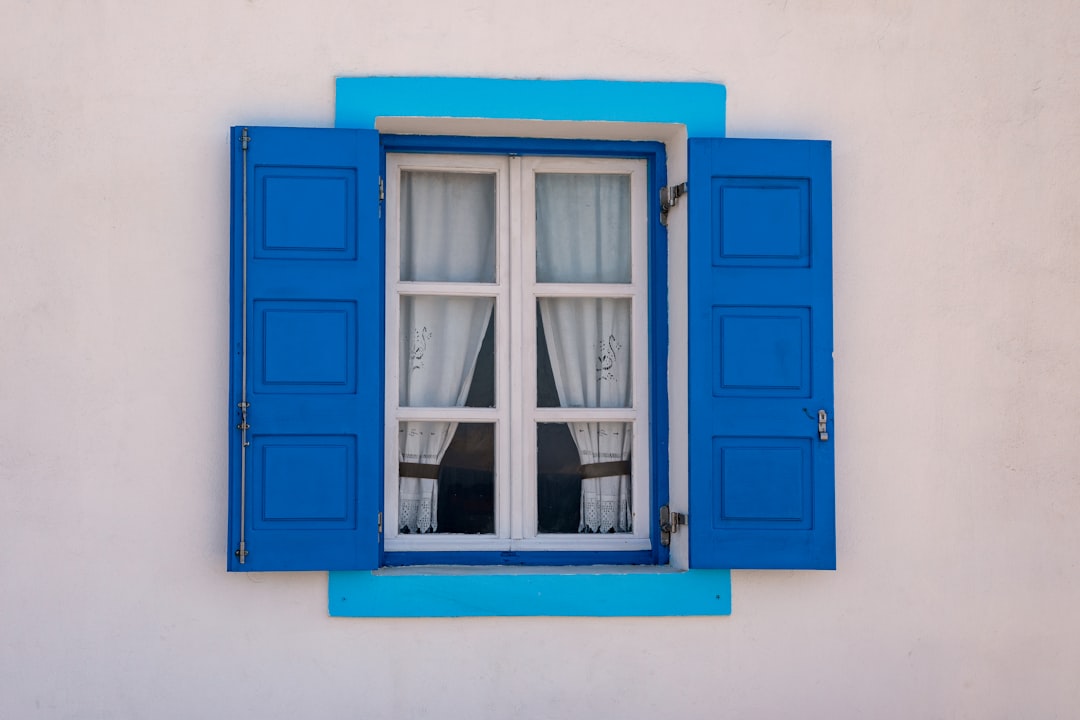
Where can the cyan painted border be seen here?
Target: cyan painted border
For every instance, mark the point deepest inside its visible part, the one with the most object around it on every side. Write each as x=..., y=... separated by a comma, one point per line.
x=610, y=594
x=698, y=106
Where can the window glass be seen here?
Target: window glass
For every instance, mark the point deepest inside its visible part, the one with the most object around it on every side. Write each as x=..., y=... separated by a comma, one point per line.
x=582, y=228
x=446, y=477
x=447, y=226
x=587, y=343
x=584, y=477
x=441, y=340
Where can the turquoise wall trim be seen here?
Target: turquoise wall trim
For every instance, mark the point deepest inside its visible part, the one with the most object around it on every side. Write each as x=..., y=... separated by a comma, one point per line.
x=655, y=593
x=698, y=106
x=649, y=592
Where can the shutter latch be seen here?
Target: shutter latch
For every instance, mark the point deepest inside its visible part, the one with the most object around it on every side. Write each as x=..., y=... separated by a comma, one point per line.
x=669, y=198
x=822, y=425
x=670, y=522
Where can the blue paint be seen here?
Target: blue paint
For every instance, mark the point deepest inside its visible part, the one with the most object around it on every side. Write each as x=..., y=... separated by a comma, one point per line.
x=548, y=558
x=701, y=108
x=647, y=149
x=654, y=154
x=477, y=594
x=760, y=317
x=314, y=281
x=698, y=106
x=658, y=359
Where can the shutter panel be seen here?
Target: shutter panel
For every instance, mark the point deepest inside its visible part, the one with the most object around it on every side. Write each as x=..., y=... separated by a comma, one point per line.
x=760, y=293
x=314, y=307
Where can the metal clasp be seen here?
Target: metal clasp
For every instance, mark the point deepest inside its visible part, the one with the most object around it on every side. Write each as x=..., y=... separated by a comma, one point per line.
x=669, y=198
x=670, y=522
x=822, y=425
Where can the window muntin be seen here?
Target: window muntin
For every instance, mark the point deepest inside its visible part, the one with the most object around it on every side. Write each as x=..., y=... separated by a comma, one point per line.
x=540, y=208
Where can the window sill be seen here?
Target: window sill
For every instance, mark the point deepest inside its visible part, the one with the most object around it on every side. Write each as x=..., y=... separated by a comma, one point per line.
x=596, y=591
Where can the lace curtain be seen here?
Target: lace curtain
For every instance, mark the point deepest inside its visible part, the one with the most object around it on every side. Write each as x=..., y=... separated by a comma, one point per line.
x=448, y=235
x=583, y=232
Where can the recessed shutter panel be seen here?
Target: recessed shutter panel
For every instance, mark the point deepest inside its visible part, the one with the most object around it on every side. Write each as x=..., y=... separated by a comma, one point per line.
x=307, y=278
x=761, y=370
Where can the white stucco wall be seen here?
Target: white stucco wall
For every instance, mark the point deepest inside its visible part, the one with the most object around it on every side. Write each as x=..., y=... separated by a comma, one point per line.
x=957, y=270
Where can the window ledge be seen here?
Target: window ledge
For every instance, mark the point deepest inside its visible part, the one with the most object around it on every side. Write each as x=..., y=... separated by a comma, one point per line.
x=467, y=591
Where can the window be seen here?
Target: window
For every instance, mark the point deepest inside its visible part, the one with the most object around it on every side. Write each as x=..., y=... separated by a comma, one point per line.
x=311, y=458
x=517, y=355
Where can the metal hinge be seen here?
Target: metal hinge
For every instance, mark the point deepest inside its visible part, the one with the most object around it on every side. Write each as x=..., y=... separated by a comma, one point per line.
x=382, y=190
x=670, y=522
x=243, y=425
x=380, y=523
x=822, y=425
x=669, y=198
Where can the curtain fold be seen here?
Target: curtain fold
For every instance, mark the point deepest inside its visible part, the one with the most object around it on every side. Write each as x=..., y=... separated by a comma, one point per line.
x=588, y=342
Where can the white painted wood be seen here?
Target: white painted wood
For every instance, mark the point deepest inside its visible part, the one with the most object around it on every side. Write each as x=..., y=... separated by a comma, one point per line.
x=637, y=290
x=515, y=413
x=395, y=165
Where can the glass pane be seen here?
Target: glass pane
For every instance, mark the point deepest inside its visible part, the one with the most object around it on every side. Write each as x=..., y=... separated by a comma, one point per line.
x=583, y=477
x=446, y=478
x=582, y=228
x=447, y=226
x=446, y=351
x=583, y=352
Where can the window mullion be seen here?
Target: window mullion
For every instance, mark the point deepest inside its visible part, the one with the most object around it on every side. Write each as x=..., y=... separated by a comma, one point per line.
x=519, y=403
x=504, y=323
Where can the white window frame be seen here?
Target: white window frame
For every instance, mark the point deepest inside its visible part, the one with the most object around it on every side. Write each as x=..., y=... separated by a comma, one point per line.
x=515, y=416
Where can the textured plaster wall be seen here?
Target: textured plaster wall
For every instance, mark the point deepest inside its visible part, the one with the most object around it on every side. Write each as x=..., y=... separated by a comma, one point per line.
x=957, y=266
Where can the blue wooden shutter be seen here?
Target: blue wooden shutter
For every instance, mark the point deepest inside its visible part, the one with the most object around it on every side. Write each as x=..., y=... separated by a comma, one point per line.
x=314, y=307
x=761, y=476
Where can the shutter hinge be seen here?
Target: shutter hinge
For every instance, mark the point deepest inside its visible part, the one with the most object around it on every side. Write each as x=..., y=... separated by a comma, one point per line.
x=243, y=425
x=822, y=425
x=669, y=198
x=670, y=522
x=244, y=139
x=380, y=523
x=382, y=190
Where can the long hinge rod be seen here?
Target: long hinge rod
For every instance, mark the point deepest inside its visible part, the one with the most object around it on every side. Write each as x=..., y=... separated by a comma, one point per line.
x=243, y=405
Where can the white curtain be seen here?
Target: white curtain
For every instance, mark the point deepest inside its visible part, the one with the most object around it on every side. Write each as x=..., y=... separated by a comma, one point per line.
x=583, y=235
x=448, y=235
